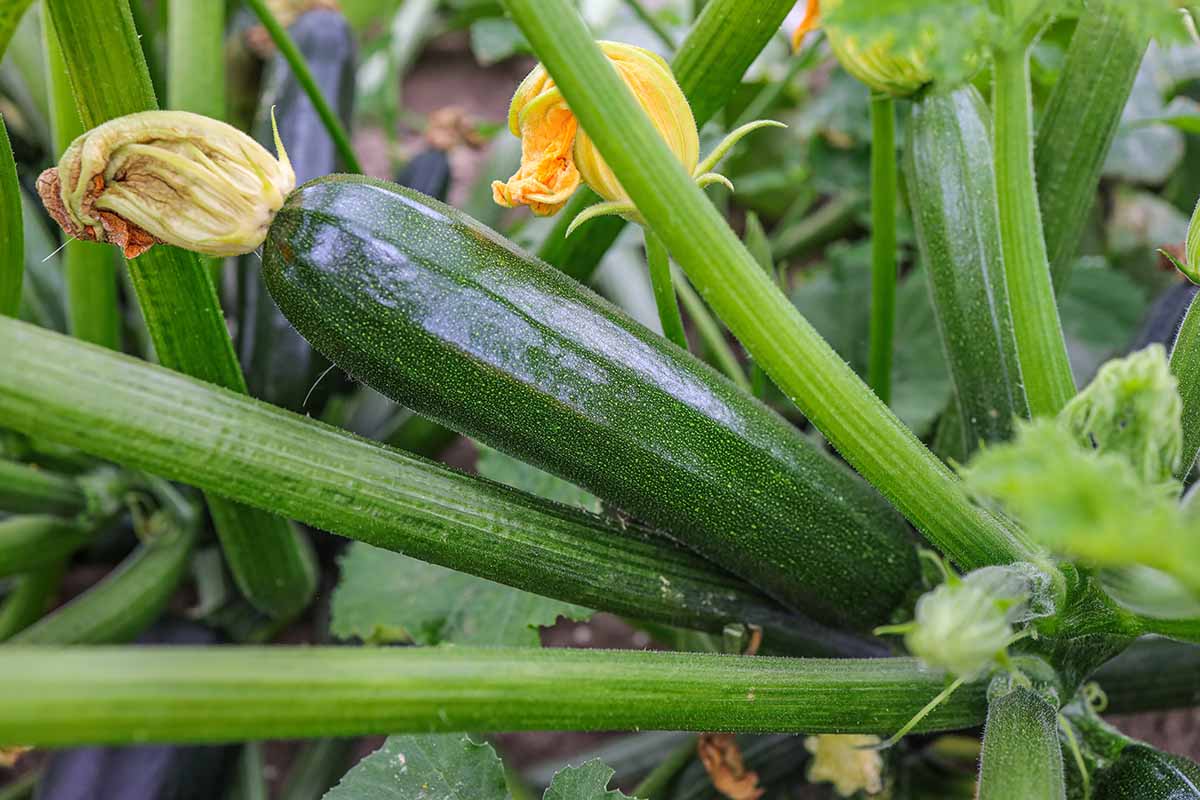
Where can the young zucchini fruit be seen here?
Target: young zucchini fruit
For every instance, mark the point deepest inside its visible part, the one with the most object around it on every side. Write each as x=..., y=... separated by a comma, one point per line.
x=1143, y=772
x=952, y=191
x=448, y=318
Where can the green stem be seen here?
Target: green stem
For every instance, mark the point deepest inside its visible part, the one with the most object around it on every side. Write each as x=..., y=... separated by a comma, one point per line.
x=73, y=696
x=12, y=230
x=1022, y=758
x=884, y=187
x=652, y=23
x=659, y=262
x=270, y=560
x=93, y=313
x=196, y=66
x=710, y=332
x=709, y=65
x=1041, y=349
x=28, y=490
x=287, y=47
x=196, y=57
x=1079, y=124
x=800, y=362
x=167, y=424
x=654, y=785
x=1185, y=366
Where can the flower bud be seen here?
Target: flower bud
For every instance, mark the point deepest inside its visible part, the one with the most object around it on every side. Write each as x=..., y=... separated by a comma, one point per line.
x=964, y=625
x=556, y=155
x=171, y=177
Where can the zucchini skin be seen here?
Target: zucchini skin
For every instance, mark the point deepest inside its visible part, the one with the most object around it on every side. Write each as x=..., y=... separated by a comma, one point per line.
x=952, y=191
x=448, y=318
x=1148, y=774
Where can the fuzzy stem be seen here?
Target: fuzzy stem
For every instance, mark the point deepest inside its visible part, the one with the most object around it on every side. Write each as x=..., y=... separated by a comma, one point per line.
x=711, y=333
x=74, y=696
x=1041, y=349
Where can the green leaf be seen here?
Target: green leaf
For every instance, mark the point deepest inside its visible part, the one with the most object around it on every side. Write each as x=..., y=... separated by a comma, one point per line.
x=1101, y=310
x=12, y=232
x=587, y=782
x=494, y=39
x=1086, y=504
x=11, y=12
x=505, y=469
x=387, y=597
x=444, y=766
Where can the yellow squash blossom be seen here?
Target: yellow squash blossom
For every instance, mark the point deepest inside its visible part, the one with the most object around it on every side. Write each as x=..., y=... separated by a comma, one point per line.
x=171, y=177
x=883, y=64
x=557, y=155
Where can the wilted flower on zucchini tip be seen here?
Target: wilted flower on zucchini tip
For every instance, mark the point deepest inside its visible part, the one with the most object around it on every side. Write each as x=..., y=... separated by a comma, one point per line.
x=168, y=176
x=557, y=155
x=884, y=64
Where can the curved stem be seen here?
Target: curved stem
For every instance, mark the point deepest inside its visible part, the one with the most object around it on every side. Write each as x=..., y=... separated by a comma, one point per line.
x=883, y=244
x=659, y=263
x=27, y=490
x=93, y=695
x=1041, y=349
x=786, y=345
x=304, y=76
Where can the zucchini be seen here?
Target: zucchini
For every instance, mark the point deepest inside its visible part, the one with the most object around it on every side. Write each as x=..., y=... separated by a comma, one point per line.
x=1021, y=755
x=1148, y=774
x=280, y=366
x=448, y=318
x=952, y=191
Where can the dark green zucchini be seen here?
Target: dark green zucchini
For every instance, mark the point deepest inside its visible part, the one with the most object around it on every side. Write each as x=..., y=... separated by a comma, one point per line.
x=280, y=366
x=448, y=318
x=952, y=191
x=1148, y=774
x=1022, y=757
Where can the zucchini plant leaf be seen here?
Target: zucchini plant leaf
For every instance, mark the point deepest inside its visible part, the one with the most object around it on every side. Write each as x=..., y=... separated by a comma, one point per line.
x=446, y=766
x=388, y=597
x=12, y=233
x=586, y=782
x=1101, y=310
x=11, y=12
